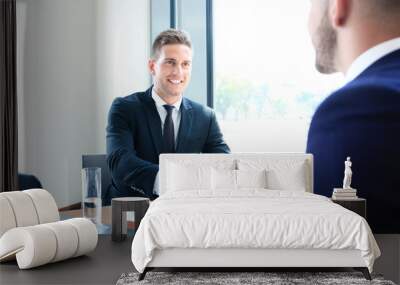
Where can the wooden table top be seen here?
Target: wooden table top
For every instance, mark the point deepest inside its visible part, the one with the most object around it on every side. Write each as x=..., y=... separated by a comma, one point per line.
x=105, y=214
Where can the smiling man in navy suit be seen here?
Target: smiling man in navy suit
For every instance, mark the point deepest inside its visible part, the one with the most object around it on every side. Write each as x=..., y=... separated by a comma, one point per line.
x=360, y=38
x=143, y=125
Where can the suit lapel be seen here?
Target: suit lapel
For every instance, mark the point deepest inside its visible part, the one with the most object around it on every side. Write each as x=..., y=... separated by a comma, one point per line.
x=185, y=126
x=153, y=119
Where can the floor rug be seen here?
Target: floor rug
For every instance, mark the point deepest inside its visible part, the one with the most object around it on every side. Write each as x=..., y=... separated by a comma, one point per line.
x=244, y=278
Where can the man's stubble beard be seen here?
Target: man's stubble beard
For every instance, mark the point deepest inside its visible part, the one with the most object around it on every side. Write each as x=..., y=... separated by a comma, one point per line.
x=326, y=47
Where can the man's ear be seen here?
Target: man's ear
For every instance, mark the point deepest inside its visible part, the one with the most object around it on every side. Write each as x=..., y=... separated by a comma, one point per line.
x=339, y=12
x=151, y=65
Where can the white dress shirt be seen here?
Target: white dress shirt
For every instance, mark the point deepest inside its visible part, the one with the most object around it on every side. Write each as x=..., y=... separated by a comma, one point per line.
x=369, y=57
x=176, y=112
x=176, y=118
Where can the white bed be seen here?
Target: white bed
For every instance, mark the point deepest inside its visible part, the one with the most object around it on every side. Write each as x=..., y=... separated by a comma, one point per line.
x=247, y=210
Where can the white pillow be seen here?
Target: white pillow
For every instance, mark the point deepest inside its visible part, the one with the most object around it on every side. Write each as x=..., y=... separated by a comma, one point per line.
x=282, y=174
x=189, y=174
x=287, y=179
x=251, y=178
x=236, y=179
x=223, y=179
x=183, y=178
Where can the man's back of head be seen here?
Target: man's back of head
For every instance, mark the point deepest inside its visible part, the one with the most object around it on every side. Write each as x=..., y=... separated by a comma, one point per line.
x=341, y=30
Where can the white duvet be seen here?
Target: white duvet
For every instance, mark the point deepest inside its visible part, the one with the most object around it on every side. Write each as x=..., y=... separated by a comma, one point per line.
x=250, y=219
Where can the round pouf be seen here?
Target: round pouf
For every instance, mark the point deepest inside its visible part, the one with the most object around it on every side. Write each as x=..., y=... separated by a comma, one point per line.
x=120, y=206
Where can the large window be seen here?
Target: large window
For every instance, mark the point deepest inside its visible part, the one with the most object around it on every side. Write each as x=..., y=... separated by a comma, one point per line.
x=265, y=86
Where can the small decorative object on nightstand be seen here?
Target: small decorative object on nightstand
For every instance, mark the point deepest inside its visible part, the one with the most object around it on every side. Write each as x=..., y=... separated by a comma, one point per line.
x=122, y=205
x=357, y=205
x=347, y=192
x=347, y=196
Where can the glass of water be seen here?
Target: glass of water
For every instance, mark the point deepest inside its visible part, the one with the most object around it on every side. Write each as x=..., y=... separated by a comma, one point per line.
x=91, y=194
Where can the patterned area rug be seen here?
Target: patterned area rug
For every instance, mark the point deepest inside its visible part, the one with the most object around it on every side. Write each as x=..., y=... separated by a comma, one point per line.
x=243, y=278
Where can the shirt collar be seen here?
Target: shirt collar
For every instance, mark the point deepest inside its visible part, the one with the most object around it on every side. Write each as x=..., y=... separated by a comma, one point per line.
x=160, y=102
x=369, y=57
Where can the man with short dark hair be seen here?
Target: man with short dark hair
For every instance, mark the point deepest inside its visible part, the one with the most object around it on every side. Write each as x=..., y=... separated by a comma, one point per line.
x=143, y=125
x=360, y=38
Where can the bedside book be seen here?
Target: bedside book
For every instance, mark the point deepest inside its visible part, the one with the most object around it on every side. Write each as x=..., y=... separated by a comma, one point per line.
x=344, y=194
x=341, y=190
x=348, y=194
x=334, y=197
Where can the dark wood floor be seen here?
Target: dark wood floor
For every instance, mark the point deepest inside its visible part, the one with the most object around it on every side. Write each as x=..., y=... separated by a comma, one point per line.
x=102, y=266
x=110, y=260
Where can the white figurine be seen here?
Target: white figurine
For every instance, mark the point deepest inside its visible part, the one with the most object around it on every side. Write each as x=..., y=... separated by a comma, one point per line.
x=347, y=174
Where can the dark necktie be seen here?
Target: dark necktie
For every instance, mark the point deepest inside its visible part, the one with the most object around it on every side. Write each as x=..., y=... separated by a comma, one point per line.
x=169, y=134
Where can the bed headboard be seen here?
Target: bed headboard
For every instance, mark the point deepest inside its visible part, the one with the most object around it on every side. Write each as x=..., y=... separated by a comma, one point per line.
x=246, y=161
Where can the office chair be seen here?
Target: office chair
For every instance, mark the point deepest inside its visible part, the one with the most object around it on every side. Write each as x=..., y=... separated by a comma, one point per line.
x=28, y=181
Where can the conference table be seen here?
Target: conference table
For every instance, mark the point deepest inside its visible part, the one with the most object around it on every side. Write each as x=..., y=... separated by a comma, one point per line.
x=104, y=265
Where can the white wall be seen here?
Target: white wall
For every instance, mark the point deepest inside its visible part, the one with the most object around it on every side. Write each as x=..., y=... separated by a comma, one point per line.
x=74, y=58
x=123, y=36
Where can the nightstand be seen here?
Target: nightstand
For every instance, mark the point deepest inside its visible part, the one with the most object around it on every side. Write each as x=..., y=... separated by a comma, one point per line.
x=358, y=205
x=122, y=205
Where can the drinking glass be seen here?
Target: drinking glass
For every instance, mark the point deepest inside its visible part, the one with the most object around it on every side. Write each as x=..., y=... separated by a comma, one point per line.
x=91, y=194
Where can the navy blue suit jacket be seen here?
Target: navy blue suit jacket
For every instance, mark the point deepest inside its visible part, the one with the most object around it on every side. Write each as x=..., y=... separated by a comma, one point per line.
x=362, y=120
x=134, y=140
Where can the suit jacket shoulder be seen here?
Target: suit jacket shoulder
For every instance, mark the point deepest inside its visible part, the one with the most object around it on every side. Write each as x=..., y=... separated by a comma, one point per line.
x=134, y=100
x=374, y=95
x=199, y=108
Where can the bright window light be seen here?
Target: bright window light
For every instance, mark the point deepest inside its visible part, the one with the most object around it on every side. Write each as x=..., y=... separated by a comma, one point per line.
x=265, y=79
